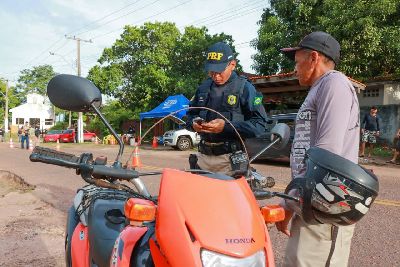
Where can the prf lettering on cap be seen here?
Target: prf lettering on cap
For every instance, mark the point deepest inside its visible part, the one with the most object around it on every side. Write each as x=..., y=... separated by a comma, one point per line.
x=214, y=56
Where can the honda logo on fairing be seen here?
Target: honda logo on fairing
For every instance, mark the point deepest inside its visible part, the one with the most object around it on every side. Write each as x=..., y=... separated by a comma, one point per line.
x=239, y=240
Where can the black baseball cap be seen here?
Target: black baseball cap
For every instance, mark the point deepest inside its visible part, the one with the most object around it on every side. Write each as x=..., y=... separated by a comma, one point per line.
x=319, y=41
x=218, y=57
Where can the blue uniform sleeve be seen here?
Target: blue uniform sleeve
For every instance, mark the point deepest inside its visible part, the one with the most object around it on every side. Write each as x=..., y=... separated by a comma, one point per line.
x=192, y=113
x=255, y=117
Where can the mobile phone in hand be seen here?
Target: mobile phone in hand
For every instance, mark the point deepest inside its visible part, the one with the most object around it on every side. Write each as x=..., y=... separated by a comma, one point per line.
x=198, y=120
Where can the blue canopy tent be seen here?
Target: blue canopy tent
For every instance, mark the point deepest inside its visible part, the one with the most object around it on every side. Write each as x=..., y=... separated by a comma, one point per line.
x=171, y=104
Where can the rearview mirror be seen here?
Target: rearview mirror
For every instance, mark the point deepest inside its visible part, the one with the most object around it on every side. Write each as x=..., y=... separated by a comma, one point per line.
x=73, y=93
x=282, y=131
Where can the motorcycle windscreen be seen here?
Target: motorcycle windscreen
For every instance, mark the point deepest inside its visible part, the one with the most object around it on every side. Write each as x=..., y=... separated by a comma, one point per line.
x=197, y=212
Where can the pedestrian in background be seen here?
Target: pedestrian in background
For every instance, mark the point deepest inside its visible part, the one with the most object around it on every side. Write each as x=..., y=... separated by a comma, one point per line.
x=1, y=135
x=37, y=134
x=20, y=133
x=328, y=119
x=370, y=130
x=396, y=148
x=25, y=135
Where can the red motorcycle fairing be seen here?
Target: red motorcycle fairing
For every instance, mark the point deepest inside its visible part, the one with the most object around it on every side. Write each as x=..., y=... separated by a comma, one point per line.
x=80, y=246
x=124, y=245
x=220, y=215
x=158, y=258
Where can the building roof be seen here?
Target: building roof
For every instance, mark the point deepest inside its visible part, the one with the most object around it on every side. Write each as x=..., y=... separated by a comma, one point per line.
x=287, y=82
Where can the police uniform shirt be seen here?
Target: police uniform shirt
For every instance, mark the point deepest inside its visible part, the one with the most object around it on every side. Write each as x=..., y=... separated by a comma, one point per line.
x=248, y=116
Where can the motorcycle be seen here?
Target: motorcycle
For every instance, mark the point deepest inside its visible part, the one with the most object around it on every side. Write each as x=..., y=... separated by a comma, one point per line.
x=199, y=218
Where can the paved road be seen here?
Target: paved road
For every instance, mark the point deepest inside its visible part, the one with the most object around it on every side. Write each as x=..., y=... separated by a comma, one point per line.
x=376, y=241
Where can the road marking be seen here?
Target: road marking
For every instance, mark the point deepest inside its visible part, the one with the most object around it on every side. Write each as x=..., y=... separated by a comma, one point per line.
x=385, y=202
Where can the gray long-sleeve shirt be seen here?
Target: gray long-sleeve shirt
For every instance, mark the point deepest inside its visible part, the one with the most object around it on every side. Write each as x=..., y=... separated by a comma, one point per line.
x=329, y=118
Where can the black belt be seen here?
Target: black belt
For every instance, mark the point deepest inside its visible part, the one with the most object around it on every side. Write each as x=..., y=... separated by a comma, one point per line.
x=219, y=148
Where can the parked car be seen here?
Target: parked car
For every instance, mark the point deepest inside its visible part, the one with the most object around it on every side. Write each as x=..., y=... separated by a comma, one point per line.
x=181, y=139
x=52, y=136
x=68, y=136
x=254, y=145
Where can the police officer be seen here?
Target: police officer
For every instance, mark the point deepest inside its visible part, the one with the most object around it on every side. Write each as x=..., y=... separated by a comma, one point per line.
x=236, y=99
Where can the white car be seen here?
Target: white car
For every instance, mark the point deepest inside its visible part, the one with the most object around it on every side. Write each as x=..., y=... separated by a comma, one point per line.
x=182, y=139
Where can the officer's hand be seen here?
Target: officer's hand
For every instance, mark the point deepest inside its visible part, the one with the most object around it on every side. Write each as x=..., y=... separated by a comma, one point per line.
x=214, y=126
x=197, y=127
x=283, y=225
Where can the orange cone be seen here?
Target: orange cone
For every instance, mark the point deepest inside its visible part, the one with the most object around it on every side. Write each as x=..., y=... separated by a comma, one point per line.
x=136, y=159
x=155, y=143
x=11, y=143
x=58, y=145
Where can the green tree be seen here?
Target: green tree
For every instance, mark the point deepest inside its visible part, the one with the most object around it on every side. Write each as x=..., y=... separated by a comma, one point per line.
x=368, y=31
x=34, y=80
x=13, y=100
x=150, y=62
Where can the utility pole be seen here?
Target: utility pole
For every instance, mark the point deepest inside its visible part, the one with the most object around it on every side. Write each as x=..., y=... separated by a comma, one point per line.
x=78, y=63
x=6, y=111
x=69, y=63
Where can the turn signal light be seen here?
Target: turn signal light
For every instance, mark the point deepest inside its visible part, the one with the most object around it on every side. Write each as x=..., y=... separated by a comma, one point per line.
x=140, y=210
x=273, y=213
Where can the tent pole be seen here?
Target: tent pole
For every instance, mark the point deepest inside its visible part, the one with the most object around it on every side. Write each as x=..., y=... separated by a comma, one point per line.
x=140, y=131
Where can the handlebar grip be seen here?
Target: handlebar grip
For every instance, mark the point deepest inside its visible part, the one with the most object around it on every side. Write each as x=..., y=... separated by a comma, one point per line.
x=260, y=194
x=119, y=173
x=51, y=156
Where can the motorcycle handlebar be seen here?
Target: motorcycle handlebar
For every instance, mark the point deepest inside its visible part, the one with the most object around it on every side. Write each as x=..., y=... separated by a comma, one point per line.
x=51, y=156
x=120, y=173
x=261, y=194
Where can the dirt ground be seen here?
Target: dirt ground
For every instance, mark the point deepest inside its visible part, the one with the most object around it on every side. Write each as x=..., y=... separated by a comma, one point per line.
x=28, y=226
x=32, y=219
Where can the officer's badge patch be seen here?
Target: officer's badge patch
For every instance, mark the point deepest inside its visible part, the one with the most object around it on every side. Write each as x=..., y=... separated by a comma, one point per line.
x=231, y=100
x=257, y=100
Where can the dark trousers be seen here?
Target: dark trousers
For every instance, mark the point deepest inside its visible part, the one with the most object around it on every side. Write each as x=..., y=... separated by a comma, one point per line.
x=23, y=138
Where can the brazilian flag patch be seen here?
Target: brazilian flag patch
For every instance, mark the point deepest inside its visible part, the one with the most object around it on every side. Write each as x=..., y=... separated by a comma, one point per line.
x=257, y=100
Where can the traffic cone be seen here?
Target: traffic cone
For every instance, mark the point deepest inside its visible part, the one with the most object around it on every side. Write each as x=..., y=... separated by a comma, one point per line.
x=136, y=159
x=30, y=146
x=58, y=145
x=11, y=143
x=155, y=143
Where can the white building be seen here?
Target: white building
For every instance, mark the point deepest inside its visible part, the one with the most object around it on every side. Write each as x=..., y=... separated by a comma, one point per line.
x=37, y=111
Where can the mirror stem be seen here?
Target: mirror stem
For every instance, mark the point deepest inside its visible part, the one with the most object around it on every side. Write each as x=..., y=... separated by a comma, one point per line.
x=103, y=119
x=265, y=148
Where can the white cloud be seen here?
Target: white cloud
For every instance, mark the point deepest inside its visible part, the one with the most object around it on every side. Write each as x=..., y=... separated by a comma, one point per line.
x=29, y=30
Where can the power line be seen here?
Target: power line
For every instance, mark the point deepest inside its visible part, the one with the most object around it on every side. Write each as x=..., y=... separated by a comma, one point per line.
x=224, y=12
x=104, y=17
x=162, y=12
x=102, y=25
x=233, y=16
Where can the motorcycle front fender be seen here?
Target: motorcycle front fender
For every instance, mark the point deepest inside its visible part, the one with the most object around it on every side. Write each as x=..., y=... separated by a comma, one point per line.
x=80, y=246
x=124, y=245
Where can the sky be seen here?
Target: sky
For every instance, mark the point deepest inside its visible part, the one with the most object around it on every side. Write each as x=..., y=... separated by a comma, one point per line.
x=32, y=29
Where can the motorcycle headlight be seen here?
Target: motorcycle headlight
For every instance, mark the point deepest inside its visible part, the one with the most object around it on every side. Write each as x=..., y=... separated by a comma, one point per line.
x=213, y=259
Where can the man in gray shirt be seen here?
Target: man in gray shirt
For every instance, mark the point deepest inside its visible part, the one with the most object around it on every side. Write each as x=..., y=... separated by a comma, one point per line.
x=329, y=119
